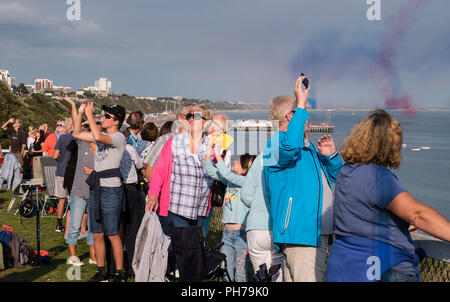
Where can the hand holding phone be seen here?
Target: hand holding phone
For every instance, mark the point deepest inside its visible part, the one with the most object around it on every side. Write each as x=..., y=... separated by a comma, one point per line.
x=305, y=81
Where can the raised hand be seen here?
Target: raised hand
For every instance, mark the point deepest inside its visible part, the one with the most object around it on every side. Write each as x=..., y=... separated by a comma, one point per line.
x=82, y=107
x=300, y=94
x=69, y=100
x=326, y=145
x=89, y=110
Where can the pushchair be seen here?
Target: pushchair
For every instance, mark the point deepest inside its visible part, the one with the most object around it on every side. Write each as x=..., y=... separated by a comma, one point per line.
x=195, y=262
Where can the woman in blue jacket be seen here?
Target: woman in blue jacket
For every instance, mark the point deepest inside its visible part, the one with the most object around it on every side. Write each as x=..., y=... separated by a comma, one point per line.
x=298, y=179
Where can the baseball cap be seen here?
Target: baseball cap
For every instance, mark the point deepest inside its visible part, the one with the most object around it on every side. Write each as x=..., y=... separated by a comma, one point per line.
x=118, y=112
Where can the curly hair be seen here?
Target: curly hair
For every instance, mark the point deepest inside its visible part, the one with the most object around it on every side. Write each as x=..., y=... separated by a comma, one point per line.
x=376, y=139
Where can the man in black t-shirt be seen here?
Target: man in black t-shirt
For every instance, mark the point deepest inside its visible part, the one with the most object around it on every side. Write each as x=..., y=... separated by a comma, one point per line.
x=18, y=138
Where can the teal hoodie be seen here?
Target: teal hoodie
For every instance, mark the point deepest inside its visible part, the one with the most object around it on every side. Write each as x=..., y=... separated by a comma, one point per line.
x=294, y=183
x=234, y=210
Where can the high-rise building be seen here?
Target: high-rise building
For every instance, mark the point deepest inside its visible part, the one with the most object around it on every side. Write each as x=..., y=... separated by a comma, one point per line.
x=103, y=84
x=42, y=84
x=6, y=78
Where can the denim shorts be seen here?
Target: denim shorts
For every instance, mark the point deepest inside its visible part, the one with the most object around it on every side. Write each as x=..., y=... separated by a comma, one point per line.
x=111, y=206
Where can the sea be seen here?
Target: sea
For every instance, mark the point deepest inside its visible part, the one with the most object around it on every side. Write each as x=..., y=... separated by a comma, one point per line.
x=425, y=169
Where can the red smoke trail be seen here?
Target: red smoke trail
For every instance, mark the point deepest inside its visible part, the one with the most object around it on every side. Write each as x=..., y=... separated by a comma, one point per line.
x=386, y=73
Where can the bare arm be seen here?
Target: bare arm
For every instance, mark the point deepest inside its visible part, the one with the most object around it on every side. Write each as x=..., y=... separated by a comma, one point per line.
x=98, y=135
x=73, y=112
x=421, y=216
x=56, y=154
x=11, y=120
x=77, y=132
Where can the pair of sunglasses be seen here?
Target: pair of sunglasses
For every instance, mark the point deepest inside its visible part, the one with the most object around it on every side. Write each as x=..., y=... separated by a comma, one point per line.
x=108, y=116
x=59, y=125
x=196, y=116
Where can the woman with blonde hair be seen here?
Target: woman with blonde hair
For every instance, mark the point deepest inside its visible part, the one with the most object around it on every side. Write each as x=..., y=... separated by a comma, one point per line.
x=373, y=213
x=180, y=190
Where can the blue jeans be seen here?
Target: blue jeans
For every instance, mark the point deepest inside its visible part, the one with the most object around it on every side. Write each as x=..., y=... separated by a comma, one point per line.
x=393, y=276
x=111, y=207
x=236, y=250
x=78, y=207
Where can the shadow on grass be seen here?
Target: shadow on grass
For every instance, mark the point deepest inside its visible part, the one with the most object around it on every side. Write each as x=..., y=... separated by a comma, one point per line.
x=29, y=275
x=57, y=250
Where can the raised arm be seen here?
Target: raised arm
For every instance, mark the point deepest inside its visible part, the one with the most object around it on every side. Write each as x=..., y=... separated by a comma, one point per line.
x=11, y=120
x=77, y=132
x=73, y=112
x=98, y=135
x=292, y=141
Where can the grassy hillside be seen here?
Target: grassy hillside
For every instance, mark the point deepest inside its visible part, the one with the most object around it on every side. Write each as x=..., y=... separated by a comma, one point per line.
x=37, y=109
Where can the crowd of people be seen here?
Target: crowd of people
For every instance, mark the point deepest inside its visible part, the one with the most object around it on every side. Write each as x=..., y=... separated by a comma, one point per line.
x=283, y=207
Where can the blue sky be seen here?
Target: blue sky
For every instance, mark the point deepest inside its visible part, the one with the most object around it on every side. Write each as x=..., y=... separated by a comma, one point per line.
x=248, y=50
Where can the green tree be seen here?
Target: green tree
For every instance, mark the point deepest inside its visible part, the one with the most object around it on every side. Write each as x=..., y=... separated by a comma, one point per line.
x=22, y=89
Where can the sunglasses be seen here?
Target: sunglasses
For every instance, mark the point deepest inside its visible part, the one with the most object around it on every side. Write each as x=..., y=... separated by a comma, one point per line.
x=196, y=116
x=59, y=125
x=108, y=116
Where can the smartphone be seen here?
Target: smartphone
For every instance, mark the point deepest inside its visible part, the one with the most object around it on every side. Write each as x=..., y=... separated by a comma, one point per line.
x=305, y=81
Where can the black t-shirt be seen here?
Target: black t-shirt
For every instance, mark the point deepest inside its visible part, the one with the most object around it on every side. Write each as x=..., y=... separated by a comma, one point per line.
x=18, y=139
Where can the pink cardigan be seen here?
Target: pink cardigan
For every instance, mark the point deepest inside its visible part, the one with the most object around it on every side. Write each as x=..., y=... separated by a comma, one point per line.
x=161, y=175
x=160, y=183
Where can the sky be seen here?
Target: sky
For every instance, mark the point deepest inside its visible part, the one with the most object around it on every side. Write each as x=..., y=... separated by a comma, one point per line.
x=236, y=50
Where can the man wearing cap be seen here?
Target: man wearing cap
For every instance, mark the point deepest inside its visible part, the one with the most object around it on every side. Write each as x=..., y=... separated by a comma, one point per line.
x=105, y=198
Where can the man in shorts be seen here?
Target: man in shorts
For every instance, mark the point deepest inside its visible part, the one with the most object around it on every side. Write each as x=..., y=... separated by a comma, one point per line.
x=105, y=198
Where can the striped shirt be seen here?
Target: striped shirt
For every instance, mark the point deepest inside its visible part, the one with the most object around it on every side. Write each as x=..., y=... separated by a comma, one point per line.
x=189, y=184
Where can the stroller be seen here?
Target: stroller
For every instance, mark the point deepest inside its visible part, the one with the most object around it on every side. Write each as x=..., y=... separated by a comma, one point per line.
x=195, y=262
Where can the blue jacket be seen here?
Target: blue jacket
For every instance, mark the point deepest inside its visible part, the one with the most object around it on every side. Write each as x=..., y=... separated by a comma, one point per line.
x=294, y=183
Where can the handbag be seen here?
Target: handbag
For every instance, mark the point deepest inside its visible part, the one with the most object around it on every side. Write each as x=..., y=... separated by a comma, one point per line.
x=218, y=193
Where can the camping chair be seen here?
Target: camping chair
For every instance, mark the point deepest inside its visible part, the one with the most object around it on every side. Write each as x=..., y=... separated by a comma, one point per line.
x=49, y=166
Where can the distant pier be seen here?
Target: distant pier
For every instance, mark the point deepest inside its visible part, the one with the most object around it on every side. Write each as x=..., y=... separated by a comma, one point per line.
x=264, y=125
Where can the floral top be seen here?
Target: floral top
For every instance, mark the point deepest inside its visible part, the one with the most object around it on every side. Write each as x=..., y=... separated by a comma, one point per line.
x=234, y=210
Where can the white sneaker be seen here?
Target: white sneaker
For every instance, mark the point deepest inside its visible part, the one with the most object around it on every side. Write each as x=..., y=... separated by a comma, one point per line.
x=92, y=261
x=74, y=260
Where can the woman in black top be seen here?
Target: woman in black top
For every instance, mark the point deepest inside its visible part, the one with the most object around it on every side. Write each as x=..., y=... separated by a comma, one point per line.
x=37, y=147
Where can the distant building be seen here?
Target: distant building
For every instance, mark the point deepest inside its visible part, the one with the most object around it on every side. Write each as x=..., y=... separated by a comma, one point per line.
x=177, y=98
x=42, y=84
x=6, y=78
x=62, y=89
x=148, y=98
x=103, y=85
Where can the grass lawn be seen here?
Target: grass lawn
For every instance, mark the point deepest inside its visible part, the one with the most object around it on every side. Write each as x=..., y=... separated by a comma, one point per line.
x=52, y=242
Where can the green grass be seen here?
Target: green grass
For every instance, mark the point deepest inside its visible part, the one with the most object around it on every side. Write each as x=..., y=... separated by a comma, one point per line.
x=52, y=242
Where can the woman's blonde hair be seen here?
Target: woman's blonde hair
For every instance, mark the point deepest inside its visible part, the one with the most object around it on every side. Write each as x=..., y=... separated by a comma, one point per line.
x=206, y=113
x=376, y=139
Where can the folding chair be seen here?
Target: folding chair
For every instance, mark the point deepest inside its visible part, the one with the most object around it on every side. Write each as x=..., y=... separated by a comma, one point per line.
x=49, y=166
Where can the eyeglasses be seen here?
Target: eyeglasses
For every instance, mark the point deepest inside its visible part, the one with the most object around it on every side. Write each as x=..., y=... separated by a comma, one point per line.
x=108, y=116
x=196, y=116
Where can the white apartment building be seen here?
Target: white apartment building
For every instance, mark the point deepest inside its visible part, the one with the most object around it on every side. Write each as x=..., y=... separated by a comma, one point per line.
x=6, y=78
x=42, y=84
x=103, y=84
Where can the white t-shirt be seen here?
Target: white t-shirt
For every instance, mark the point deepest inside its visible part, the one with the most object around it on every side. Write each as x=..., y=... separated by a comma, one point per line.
x=109, y=157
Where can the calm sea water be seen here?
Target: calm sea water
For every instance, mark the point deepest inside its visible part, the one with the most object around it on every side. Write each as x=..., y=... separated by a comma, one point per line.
x=425, y=173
